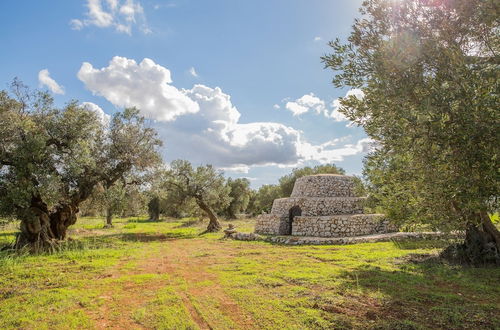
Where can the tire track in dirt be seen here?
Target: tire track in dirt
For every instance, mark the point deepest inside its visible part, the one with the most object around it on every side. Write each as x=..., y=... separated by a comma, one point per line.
x=197, y=318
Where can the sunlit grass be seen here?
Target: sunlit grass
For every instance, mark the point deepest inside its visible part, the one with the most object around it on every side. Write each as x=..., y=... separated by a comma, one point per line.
x=168, y=275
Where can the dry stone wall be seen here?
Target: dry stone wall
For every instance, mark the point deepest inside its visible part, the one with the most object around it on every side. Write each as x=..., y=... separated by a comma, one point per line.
x=308, y=240
x=339, y=225
x=319, y=206
x=272, y=224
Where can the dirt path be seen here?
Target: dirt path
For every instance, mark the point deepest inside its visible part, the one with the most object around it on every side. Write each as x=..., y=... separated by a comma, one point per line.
x=187, y=261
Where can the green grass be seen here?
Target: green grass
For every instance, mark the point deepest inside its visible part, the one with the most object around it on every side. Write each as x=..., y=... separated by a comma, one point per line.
x=166, y=275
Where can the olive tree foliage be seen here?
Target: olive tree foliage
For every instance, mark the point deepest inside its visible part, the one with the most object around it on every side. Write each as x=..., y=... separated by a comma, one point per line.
x=136, y=201
x=155, y=195
x=239, y=194
x=129, y=200
x=430, y=74
x=167, y=202
x=262, y=200
x=170, y=204
x=204, y=185
x=51, y=159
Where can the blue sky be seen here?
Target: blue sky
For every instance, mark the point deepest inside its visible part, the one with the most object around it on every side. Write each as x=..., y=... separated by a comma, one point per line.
x=249, y=58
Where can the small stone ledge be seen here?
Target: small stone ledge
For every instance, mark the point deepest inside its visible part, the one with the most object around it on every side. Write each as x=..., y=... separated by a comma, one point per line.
x=295, y=240
x=247, y=237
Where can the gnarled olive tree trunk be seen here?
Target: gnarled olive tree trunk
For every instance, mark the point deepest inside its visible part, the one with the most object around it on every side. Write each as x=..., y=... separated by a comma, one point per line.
x=481, y=244
x=42, y=228
x=214, y=224
x=154, y=209
x=109, y=218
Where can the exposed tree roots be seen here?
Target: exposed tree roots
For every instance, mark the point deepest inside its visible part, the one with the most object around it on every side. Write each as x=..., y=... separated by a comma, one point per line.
x=478, y=249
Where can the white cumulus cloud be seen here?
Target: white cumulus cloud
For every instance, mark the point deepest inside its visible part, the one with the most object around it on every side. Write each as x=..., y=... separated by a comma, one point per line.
x=120, y=15
x=330, y=151
x=146, y=85
x=214, y=135
x=305, y=104
x=311, y=103
x=45, y=80
x=201, y=124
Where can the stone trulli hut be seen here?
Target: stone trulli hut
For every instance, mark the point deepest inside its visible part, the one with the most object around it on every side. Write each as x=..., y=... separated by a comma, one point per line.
x=323, y=206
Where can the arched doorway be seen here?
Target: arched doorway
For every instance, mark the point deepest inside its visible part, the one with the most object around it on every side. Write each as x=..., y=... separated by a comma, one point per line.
x=294, y=212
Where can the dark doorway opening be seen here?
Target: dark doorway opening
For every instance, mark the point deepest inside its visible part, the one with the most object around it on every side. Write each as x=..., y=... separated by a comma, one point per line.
x=294, y=212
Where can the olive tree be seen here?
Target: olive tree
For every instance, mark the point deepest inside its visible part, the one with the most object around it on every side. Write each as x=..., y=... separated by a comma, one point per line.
x=115, y=200
x=262, y=200
x=169, y=204
x=429, y=71
x=154, y=208
x=52, y=158
x=204, y=184
x=239, y=193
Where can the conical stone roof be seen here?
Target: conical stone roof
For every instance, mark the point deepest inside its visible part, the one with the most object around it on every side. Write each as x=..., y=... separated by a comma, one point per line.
x=324, y=185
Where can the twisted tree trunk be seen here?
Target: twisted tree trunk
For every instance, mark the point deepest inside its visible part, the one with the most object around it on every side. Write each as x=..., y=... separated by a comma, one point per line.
x=214, y=224
x=481, y=245
x=231, y=214
x=109, y=218
x=154, y=209
x=41, y=228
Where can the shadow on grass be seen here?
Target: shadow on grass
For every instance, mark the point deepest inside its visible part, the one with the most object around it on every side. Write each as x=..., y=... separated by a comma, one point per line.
x=424, y=295
x=99, y=242
x=109, y=240
x=146, y=237
x=189, y=223
x=410, y=244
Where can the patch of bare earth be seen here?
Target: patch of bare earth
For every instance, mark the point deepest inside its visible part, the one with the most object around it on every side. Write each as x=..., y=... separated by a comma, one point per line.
x=184, y=260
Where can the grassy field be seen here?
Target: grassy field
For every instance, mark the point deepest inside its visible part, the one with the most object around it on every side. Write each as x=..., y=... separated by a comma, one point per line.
x=167, y=276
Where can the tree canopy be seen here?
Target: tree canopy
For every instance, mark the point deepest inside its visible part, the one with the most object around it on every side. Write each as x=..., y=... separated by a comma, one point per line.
x=51, y=159
x=429, y=71
x=239, y=194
